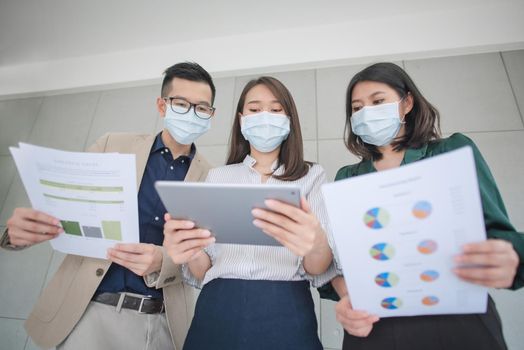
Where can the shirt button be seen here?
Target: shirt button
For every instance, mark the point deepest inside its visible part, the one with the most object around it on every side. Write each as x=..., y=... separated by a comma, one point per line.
x=161, y=152
x=157, y=218
x=182, y=161
x=171, y=167
x=166, y=150
x=99, y=272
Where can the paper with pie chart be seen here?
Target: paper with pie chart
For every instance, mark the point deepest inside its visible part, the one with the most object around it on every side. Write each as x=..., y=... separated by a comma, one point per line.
x=397, y=231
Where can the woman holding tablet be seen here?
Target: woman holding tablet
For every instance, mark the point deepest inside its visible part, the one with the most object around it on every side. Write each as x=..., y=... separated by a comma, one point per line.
x=388, y=124
x=258, y=297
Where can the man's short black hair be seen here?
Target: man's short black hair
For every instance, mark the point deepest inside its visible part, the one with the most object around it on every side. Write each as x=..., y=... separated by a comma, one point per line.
x=190, y=71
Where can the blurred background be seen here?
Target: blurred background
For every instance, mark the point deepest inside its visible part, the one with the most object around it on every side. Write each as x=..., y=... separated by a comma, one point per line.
x=71, y=71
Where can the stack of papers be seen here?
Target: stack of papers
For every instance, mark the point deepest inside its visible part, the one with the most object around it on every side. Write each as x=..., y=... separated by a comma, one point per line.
x=94, y=195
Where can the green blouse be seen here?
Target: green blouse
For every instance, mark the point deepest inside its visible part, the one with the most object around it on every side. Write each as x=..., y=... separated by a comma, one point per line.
x=495, y=215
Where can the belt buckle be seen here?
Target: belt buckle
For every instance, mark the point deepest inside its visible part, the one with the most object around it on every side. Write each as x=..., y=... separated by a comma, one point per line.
x=139, y=296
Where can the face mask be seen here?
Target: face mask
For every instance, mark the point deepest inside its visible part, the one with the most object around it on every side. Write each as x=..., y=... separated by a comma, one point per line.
x=377, y=125
x=185, y=128
x=265, y=131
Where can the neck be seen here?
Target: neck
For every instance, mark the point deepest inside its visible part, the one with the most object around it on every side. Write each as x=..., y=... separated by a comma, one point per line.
x=390, y=158
x=174, y=147
x=264, y=160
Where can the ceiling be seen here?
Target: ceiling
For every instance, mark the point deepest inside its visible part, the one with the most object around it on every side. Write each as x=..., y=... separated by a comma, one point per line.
x=40, y=30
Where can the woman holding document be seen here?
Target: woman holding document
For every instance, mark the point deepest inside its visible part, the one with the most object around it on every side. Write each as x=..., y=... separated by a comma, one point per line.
x=389, y=124
x=258, y=297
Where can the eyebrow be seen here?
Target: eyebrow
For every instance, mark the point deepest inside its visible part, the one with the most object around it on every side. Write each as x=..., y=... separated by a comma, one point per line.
x=372, y=95
x=257, y=101
x=185, y=99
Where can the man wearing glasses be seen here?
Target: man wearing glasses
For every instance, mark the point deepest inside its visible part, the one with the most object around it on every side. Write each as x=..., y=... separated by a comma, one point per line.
x=136, y=298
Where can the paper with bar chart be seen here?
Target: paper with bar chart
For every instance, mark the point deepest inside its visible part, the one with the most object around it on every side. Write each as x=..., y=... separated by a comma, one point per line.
x=397, y=231
x=92, y=194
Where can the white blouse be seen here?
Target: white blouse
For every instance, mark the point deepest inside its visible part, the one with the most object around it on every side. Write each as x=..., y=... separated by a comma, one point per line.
x=275, y=263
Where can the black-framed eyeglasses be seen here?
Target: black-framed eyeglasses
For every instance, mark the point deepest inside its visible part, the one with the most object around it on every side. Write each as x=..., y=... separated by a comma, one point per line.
x=182, y=106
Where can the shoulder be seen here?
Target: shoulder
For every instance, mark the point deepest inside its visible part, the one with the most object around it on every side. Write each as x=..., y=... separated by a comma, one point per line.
x=119, y=141
x=347, y=171
x=451, y=143
x=226, y=173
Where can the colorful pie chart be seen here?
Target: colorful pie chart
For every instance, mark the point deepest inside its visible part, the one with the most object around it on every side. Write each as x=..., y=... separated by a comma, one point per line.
x=427, y=247
x=387, y=279
x=429, y=275
x=430, y=300
x=382, y=251
x=391, y=303
x=376, y=218
x=422, y=209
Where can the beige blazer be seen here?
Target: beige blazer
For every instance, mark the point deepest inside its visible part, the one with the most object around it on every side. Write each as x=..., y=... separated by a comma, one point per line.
x=66, y=297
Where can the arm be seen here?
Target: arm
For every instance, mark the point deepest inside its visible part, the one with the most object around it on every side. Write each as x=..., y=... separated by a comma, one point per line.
x=502, y=255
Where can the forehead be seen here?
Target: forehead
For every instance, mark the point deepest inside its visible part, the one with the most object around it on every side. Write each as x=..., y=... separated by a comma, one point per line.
x=194, y=91
x=366, y=88
x=260, y=93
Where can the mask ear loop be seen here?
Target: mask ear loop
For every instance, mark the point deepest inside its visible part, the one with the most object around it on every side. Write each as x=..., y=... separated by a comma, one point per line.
x=403, y=120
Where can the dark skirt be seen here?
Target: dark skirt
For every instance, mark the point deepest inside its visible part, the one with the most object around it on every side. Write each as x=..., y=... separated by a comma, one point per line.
x=449, y=332
x=243, y=314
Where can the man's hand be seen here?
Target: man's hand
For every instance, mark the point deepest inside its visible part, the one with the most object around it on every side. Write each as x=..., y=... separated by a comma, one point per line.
x=28, y=226
x=141, y=258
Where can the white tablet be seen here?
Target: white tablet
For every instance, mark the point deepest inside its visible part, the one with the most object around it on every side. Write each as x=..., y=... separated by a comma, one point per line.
x=224, y=209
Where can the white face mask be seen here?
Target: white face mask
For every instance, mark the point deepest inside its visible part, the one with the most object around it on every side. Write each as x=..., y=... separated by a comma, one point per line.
x=377, y=125
x=185, y=127
x=265, y=131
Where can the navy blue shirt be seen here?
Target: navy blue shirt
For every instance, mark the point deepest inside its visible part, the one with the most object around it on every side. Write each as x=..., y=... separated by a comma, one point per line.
x=160, y=166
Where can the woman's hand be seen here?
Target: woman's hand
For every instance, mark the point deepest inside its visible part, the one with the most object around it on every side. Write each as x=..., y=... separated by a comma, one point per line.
x=491, y=263
x=182, y=241
x=298, y=229
x=357, y=323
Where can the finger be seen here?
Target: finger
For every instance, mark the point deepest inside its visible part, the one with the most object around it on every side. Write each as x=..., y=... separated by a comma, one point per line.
x=484, y=259
x=38, y=216
x=360, y=323
x=194, y=243
x=298, y=251
x=37, y=227
x=129, y=257
x=292, y=212
x=489, y=246
x=127, y=264
x=283, y=236
x=184, y=235
x=17, y=242
x=174, y=225
x=480, y=274
x=31, y=237
x=304, y=204
x=137, y=248
x=189, y=255
x=276, y=219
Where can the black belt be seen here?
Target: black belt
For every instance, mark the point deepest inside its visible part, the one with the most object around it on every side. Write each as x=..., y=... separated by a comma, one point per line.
x=142, y=303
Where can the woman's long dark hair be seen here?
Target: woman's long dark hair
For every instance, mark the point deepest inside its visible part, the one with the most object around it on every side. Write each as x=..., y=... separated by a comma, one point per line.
x=422, y=122
x=291, y=150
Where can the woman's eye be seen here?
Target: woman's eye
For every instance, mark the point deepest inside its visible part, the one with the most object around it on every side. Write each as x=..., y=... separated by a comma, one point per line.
x=356, y=108
x=276, y=110
x=379, y=101
x=253, y=110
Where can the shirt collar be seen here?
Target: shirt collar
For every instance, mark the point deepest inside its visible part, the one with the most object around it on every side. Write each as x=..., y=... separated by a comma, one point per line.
x=159, y=146
x=275, y=168
x=414, y=154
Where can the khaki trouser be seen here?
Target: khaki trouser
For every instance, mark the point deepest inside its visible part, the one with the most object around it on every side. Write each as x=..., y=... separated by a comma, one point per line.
x=102, y=327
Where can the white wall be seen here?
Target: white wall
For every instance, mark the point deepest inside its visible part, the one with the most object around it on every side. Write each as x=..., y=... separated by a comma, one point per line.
x=480, y=95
